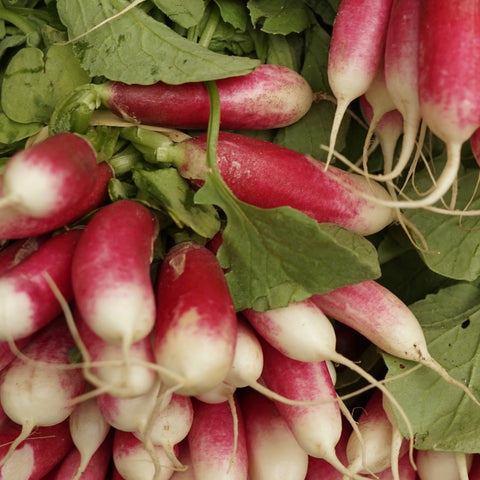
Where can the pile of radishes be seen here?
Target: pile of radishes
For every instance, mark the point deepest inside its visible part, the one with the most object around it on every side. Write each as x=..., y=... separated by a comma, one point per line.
x=116, y=366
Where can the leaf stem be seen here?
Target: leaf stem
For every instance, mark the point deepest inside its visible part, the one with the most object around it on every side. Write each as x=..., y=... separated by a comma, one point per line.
x=210, y=27
x=17, y=20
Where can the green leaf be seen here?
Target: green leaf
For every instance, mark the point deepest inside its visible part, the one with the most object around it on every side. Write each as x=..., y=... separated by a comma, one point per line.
x=172, y=193
x=135, y=48
x=234, y=12
x=326, y=9
x=11, y=132
x=280, y=16
x=276, y=256
x=452, y=240
x=187, y=13
x=35, y=82
x=442, y=416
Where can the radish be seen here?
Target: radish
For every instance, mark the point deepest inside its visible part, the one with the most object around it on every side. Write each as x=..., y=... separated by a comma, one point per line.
x=16, y=251
x=375, y=454
x=111, y=272
x=273, y=451
x=50, y=177
x=184, y=457
x=112, y=368
x=37, y=455
x=95, y=469
x=27, y=302
x=356, y=51
x=15, y=224
x=134, y=462
x=271, y=96
x=216, y=449
x=196, y=325
x=89, y=430
x=449, y=59
x=433, y=465
x=385, y=320
x=267, y=175
x=36, y=390
x=317, y=427
x=7, y=353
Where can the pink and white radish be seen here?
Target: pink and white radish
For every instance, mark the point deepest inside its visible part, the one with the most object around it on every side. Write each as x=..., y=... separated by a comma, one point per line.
x=356, y=51
x=271, y=96
x=385, y=320
x=217, y=444
x=112, y=368
x=184, y=458
x=50, y=177
x=267, y=175
x=196, y=325
x=433, y=465
x=111, y=272
x=273, y=451
x=37, y=455
x=15, y=224
x=317, y=427
x=95, y=469
x=36, y=389
x=88, y=429
x=134, y=462
x=27, y=301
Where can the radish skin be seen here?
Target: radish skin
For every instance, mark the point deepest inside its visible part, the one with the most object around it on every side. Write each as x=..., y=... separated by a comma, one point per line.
x=433, y=465
x=27, y=302
x=39, y=392
x=271, y=96
x=17, y=251
x=267, y=175
x=111, y=272
x=37, y=455
x=273, y=451
x=196, y=326
x=356, y=51
x=50, y=177
x=14, y=224
x=385, y=320
x=216, y=450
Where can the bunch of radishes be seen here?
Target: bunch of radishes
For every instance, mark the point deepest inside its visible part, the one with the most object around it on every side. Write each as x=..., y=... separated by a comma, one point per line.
x=114, y=369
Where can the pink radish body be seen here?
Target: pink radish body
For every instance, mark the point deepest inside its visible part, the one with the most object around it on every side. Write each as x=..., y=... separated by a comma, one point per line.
x=89, y=430
x=18, y=250
x=267, y=175
x=123, y=377
x=134, y=462
x=317, y=428
x=448, y=83
x=273, y=451
x=356, y=51
x=385, y=320
x=50, y=177
x=271, y=96
x=95, y=469
x=27, y=302
x=36, y=455
x=401, y=72
x=196, y=325
x=14, y=224
x=39, y=392
x=216, y=450
x=111, y=272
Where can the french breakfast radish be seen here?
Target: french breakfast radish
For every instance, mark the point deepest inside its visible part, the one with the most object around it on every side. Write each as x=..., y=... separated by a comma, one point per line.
x=37, y=455
x=273, y=451
x=217, y=448
x=356, y=51
x=36, y=390
x=111, y=272
x=271, y=96
x=15, y=224
x=437, y=464
x=196, y=325
x=268, y=175
x=26, y=300
x=385, y=320
x=50, y=177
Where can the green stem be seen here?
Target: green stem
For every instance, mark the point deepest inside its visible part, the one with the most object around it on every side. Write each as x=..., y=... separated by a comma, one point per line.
x=17, y=20
x=213, y=126
x=210, y=28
